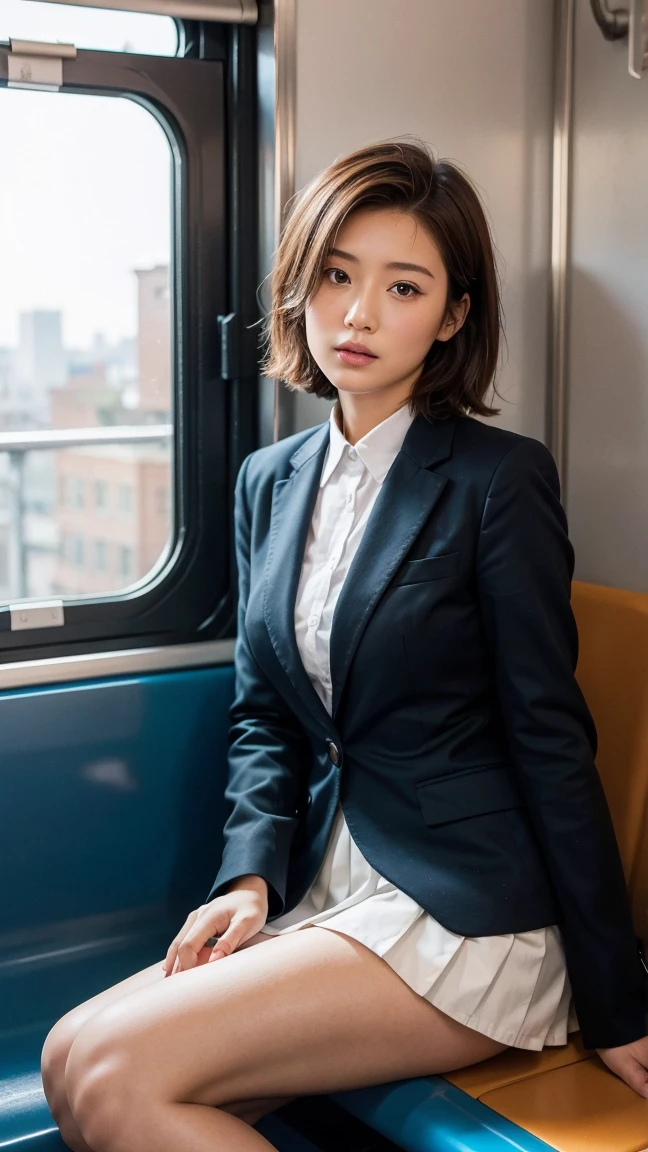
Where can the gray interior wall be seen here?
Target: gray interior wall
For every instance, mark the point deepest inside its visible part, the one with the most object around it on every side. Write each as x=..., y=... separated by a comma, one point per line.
x=607, y=494
x=474, y=80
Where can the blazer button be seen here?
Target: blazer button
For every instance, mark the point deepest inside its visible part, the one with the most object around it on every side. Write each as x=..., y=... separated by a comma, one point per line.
x=333, y=752
x=309, y=800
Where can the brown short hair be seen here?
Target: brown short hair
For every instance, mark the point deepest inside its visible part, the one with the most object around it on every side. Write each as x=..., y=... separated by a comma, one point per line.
x=404, y=176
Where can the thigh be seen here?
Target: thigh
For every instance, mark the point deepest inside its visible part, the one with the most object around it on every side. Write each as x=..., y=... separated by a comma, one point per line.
x=65, y=1029
x=312, y=1012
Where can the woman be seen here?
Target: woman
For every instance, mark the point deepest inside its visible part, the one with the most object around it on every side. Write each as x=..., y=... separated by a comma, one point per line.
x=411, y=775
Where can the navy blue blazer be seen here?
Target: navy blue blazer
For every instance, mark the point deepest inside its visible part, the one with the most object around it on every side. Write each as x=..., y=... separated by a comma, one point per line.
x=460, y=745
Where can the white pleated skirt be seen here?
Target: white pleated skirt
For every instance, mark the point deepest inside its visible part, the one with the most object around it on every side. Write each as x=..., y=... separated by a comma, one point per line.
x=512, y=987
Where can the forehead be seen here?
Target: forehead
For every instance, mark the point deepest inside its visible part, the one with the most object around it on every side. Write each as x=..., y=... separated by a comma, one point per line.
x=382, y=233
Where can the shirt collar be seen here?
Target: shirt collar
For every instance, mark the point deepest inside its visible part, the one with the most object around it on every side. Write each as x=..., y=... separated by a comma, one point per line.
x=377, y=449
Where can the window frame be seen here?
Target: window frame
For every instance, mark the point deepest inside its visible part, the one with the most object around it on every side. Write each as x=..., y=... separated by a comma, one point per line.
x=206, y=102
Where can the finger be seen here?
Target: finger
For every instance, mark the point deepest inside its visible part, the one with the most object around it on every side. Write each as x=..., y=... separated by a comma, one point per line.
x=635, y=1075
x=194, y=940
x=230, y=940
x=172, y=950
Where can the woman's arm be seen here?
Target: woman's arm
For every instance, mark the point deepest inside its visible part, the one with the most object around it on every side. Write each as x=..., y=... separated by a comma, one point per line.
x=268, y=755
x=525, y=563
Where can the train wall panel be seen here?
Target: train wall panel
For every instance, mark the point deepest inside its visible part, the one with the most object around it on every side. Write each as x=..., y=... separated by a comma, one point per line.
x=475, y=81
x=607, y=501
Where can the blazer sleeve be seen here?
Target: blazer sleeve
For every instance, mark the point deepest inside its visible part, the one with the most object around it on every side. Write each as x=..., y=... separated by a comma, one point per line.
x=525, y=562
x=268, y=752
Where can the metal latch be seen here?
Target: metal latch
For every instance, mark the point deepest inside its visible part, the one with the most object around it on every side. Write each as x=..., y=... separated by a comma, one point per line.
x=35, y=64
x=239, y=341
x=46, y=614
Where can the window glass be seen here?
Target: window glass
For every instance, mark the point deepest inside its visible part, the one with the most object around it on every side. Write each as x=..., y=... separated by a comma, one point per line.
x=85, y=343
x=89, y=27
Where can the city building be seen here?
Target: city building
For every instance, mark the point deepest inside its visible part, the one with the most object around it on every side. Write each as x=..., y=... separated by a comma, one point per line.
x=40, y=362
x=114, y=510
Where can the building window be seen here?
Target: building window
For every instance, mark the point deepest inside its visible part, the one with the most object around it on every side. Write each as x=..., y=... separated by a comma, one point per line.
x=126, y=563
x=162, y=501
x=125, y=499
x=101, y=556
x=4, y=562
x=101, y=495
x=78, y=551
x=74, y=488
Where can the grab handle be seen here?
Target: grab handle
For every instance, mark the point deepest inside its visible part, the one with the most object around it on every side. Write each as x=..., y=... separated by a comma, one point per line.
x=638, y=40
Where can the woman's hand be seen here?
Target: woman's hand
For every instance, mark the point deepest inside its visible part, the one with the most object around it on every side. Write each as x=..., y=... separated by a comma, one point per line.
x=233, y=917
x=630, y=1063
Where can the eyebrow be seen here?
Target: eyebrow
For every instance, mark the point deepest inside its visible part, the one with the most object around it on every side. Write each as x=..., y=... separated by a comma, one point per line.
x=393, y=263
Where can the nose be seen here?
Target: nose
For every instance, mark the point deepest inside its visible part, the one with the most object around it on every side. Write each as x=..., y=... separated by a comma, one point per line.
x=362, y=312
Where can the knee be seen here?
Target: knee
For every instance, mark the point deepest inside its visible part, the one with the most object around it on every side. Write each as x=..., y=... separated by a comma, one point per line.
x=54, y=1056
x=100, y=1083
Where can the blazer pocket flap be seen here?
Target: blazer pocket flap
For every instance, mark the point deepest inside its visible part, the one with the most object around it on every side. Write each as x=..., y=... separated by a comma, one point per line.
x=473, y=793
x=430, y=568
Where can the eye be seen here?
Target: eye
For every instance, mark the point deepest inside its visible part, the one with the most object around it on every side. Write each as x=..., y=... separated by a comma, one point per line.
x=340, y=270
x=410, y=288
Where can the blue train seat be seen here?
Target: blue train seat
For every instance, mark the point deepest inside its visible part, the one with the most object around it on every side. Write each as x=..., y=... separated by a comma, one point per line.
x=111, y=810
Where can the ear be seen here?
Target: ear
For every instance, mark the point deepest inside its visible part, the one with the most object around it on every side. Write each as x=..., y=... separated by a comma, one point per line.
x=455, y=318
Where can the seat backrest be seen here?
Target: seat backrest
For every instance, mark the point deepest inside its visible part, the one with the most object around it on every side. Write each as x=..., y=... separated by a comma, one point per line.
x=613, y=675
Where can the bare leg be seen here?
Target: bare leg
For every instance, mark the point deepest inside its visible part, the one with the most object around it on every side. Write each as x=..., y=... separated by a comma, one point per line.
x=59, y=1041
x=312, y=1012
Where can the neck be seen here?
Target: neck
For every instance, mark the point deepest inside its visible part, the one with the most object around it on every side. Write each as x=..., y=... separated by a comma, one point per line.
x=355, y=419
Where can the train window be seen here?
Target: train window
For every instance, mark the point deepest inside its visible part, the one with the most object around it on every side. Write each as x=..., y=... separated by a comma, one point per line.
x=85, y=331
x=119, y=439
x=89, y=27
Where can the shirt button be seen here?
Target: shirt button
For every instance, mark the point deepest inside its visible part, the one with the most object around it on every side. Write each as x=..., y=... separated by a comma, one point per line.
x=352, y=453
x=312, y=621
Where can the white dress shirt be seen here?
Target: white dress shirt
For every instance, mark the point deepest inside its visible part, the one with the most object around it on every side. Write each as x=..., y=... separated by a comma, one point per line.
x=350, y=482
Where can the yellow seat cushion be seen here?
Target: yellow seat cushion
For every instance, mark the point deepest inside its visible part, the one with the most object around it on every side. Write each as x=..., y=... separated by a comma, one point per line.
x=566, y=1096
x=515, y=1064
x=613, y=675
x=582, y=1107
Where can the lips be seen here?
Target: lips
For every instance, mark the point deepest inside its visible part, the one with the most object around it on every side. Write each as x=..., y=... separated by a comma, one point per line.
x=355, y=359
x=357, y=349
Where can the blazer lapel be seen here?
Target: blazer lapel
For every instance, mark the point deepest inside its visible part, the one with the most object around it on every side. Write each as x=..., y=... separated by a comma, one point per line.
x=405, y=502
x=293, y=501
x=403, y=505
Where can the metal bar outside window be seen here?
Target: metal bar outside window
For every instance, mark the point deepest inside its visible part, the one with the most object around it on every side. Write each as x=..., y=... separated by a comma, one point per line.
x=51, y=439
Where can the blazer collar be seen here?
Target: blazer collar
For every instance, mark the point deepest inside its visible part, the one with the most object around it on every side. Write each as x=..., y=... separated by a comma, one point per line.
x=403, y=505
x=427, y=442
x=376, y=449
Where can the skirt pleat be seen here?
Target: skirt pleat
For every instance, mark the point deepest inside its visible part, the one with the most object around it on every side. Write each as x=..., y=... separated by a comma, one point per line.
x=513, y=987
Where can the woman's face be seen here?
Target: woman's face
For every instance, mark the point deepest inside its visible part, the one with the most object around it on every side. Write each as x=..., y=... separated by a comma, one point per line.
x=370, y=293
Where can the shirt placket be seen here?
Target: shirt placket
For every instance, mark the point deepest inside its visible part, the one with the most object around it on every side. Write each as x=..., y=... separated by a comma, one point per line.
x=344, y=518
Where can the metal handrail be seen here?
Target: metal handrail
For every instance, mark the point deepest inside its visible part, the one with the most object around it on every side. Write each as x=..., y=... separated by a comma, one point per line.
x=225, y=11
x=50, y=439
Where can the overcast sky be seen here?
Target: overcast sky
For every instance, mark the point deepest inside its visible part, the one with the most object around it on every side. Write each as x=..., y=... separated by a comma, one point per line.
x=85, y=187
